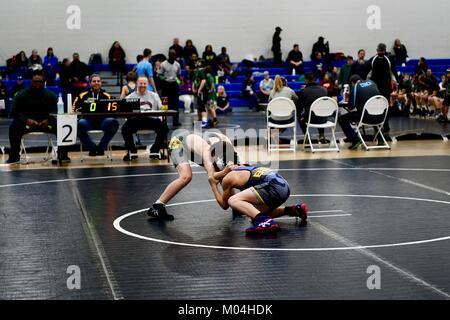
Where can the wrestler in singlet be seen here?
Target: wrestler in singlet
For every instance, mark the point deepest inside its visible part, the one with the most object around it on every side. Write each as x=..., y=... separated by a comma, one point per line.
x=270, y=187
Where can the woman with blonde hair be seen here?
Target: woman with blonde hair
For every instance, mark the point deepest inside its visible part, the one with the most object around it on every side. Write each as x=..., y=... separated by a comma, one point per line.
x=222, y=99
x=280, y=89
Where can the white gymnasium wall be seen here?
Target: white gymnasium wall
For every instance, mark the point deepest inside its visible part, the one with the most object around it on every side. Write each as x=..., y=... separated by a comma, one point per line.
x=243, y=26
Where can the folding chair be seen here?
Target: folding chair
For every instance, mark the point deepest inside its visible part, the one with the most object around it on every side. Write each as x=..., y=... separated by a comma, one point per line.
x=281, y=113
x=47, y=151
x=374, y=114
x=109, y=148
x=324, y=107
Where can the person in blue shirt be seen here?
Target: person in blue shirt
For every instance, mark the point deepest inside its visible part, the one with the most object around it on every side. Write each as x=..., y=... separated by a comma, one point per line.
x=50, y=66
x=145, y=69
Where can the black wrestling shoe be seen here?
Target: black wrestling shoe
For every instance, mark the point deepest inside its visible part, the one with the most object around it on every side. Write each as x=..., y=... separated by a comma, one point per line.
x=158, y=211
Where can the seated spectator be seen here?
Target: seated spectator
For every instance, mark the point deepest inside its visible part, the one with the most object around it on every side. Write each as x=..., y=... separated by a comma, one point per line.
x=116, y=56
x=35, y=60
x=223, y=57
x=149, y=101
x=21, y=64
x=210, y=58
x=360, y=67
x=64, y=77
x=179, y=51
x=79, y=75
x=222, y=100
x=31, y=111
x=108, y=125
x=446, y=101
x=360, y=92
x=344, y=73
x=4, y=98
x=130, y=87
x=18, y=86
x=188, y=51
x=50, y=66
x=401, y=96
x=191, y=65
x=223, y=65
x=294, y=60
x=330, y=84
x=280, y=89
x=306, y=97
x=186, y=94
x=322, y=47
x=401, y=55
x=421, y=67
x=428, y=87
x=265, y=88
x=319, y=66
x=248, y=91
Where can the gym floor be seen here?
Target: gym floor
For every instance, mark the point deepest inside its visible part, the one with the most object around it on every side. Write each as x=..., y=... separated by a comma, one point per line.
x=387, y=209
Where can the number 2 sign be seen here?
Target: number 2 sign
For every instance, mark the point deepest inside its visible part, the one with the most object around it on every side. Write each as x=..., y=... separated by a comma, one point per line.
x=67, y=129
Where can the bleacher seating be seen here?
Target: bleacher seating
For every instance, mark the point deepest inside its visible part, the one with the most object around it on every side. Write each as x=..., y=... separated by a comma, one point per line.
x=233, y=85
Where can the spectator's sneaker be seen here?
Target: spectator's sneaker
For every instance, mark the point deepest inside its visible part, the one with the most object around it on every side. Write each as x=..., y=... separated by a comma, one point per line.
x=215, y=122
x=158, y=155
x=263, y=225
x=323, y=140
x=158, y=211
x=355, y=145
x=13, y=160
x=63, y=157
x=100, y=152
x=205, y=125
x=130, y=156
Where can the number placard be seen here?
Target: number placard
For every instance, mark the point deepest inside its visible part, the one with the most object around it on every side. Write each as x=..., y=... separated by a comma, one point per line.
x=67, y=129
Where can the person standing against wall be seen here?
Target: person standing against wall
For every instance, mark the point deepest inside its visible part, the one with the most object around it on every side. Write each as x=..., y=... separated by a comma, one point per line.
x=276, y=48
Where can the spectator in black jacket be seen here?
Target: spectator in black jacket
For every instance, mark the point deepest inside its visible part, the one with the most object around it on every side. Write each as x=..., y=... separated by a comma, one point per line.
x=79, y=73
x=295, y=60
x=421, y=67
x=188, y=50
x=116, y=58
x=179, y=51
x=276, y=48
x=382, y=71
x=322, y=47
x=306, y=97
x=31, y=111
x=401, y=55
x=361, y=91
x=359, y=67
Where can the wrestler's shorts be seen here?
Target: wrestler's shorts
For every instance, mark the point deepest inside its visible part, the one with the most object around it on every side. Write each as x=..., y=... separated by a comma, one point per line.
x=274, y=192
x=178, y=154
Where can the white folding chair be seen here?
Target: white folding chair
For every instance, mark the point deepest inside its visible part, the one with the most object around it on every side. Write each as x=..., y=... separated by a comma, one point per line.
x=324, y=107
x=109, y=148
x=281, y=113
x=50, y=144
x=376, y=106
